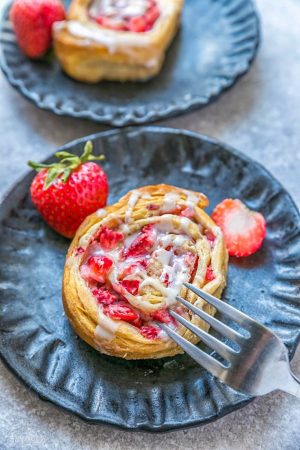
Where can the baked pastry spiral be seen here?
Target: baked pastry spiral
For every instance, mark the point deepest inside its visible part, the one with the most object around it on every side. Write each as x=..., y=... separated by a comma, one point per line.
x=116, y=39
x=128, y=262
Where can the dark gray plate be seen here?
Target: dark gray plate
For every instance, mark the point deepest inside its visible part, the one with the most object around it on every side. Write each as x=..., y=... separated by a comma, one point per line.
x=36, y=340
x=217, y=42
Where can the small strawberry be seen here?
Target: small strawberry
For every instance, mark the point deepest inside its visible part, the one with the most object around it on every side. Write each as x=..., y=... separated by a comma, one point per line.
x=32, y=22
x=66, y=192
x=149, y=332
x=244, y=230
x=97, y=268
x=120, y=311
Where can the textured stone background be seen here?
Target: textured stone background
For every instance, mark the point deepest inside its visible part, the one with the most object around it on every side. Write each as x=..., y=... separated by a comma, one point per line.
x=261, y=117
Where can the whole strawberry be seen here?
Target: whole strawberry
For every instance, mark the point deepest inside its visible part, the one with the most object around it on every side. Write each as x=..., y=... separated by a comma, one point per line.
x=66, y=192
x=32, y=22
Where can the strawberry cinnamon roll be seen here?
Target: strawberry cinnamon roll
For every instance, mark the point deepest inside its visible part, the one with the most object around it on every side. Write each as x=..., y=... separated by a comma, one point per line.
x=116, y=39
x=128, y=262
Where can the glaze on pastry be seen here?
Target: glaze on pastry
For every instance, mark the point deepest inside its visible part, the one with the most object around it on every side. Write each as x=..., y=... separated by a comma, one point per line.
x=116, y=39
x=128, y=262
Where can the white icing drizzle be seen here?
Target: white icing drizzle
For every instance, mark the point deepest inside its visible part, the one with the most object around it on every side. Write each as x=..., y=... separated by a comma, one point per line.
x=131, y=204
x=129, y=239
x=173, y=239
x=170, y=200
x=163, y=256
x=118, y=8
x=191, y=200
x=107, y=327
x=101, y=212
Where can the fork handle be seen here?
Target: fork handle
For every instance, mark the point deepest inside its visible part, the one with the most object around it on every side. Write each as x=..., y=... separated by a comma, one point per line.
x=292, y=386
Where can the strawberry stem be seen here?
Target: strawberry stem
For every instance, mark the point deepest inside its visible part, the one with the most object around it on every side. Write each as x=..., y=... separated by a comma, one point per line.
x=68, y=162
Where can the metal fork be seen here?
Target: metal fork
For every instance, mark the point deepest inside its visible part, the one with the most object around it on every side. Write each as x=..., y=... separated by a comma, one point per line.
x=259, y=366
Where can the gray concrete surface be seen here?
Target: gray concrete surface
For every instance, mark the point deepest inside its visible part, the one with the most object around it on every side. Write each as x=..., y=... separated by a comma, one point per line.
x=261, y=117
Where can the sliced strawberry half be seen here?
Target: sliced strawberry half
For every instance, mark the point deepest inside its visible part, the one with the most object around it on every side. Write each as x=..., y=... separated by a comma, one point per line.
x=109, y=239
x=119, y=311
x=244, y=230
x=149, y=332
x=97, y=268
x=132, y=286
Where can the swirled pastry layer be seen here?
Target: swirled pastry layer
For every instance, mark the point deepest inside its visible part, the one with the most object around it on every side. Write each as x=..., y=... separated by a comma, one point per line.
x=128, y=262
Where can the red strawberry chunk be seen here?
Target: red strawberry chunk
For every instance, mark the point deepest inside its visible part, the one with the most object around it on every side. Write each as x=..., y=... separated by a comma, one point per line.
x=119, y=311
x=109, y=239
x=149, y=332
x=244, y=230
x=97, y=268
x=210, y=236
x=162, y=315
x=152, y=207
x=138, y=24
x=79, y=251
x=166, y=279
x=135, y=267
x=104, y=296
x=152, y=15
x=143, y=243
x=131, y=286
x=188, y=212
x=209, y=276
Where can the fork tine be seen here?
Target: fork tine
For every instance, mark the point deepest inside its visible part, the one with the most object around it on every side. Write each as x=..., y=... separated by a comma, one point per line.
x=208, y=362
x=224, y=350
x=223, y=329
x=223, y=307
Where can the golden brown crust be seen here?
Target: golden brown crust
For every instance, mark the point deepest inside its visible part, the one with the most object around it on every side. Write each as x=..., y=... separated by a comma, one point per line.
x=80, y=305
x=90, y=60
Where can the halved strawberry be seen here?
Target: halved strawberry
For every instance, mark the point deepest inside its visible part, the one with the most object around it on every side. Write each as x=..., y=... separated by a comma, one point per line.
x=244, y=230
x=109, y=239
x=97, y=268
x=149, y=332
x=131, y=286
x=120, y=311
x=104, y=296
